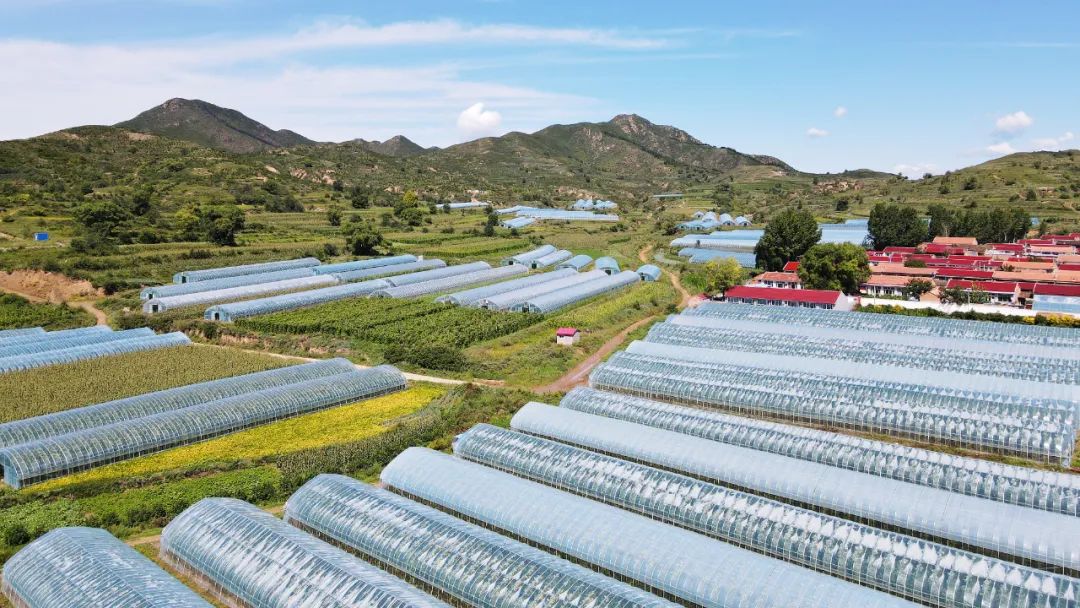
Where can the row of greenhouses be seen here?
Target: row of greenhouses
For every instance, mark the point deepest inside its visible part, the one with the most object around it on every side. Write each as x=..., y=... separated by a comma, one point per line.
x=192, y=276
x=32, y=350
x=60, y=444
x=861, y=349
x=438, y=285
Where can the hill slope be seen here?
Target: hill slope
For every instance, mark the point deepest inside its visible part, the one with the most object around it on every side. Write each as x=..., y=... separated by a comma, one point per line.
x=398, y=145
x=212, y=126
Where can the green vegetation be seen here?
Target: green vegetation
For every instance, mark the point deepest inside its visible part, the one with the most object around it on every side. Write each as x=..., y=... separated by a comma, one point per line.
x=837, y=266
x=895, y=226
x=714, y=276
x=17, y=312
x=61, y=387
x=989, y=226
x=1051, y=320
x=787, y=236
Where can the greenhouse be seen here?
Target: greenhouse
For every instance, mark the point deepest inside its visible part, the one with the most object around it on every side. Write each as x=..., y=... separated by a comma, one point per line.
x=1001, y=424
x=527, y=257
x=392, y=260
x=436, y=273
x=679, y=565
x=383, y=271
x=92, y=351
x=476, y=277
x=447, y=556
x=466, y=205
x=164, y=291
x=25, y=331
x=161, y=304
x=90, y=568
x=101, y=414
x=1042, y=395
x=191, y=276
x=98, y=337
x=35, y=461
x=247, y=556
x=566, y=216
x=578, y=262
x=607, y=264
x=1007, y=360
x=1013, y=333
x=509, y=299
x=471, y=296
x=64, y=334
x=517, y=222
x=1028, y=537
x=698, y=255
x=1023, y=486
x=291, y=301
x=649, y=272
x=550, y=302
x=934, y=574
x=552, y=258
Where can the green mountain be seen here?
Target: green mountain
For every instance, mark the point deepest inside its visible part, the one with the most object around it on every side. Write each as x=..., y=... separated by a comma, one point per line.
x=212, y=126
x=398, y=145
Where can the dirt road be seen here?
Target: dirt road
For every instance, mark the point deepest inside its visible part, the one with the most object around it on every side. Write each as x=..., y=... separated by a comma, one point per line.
x=684, y=296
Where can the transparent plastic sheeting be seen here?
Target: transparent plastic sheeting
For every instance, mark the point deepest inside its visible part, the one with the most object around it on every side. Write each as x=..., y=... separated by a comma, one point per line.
x=90, y=568
x=241, y=552
x=868, y=350
x=1026, y=536
x=527, y=257
x=393, y=260
x=904, y=566
x=1023, y=486
x=471, y=296
x=191, y=276
x=44, y=345
x=174, y=289
x=162, y=304
x=446, y=283
x=92, y=351
x=436, y=273
x=509, y=299
x=291, y=301
x=552, y=258
x=6, y=334
x=101, y=414
x=382, y=271
x=684, y=566
x=970, y=330
x=607, y=264
x=1002, y=423
x=518, y=222
x=468, y=562
x=1039, y=395
x=64, y=334
x=550, y=302
x=59, y=455
x=577, y=262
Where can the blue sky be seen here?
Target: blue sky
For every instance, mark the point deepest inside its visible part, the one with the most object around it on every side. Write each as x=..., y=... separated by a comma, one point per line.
x=826, y=86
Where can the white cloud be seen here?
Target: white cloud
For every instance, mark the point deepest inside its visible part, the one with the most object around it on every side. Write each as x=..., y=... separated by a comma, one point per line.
x=1014, y=123
x=475, y=121
x=1052, y=143
x=816, y=132
x=840, y=112
x=916, y=170
x=1000, y=149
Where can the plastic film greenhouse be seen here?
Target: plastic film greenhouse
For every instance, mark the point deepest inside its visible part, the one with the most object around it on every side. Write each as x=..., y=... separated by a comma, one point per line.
x=981, y=330
x=686, y=567
x=248, y=557
x=553, y=301
x=54, y=456
x=393, y=260
x=527, y=257
x=935, y=574
x=191, y=276
x=383, y=271
x=436, y=273
x=90, y=568
x=552, y=258
x=578, y=262
x=1039, y=369
x=164, y=291
x=509, y=299
x=291, y=301
x=1023, y=486
x=1000, y=423
x=100, y=337
x=162, y=304
x=471, y=296
x=92, y=351
x=101, y=414
x=7, y=334
x=1027, y=537
x=46, y=336
x=486, y=275
x=447, y=555
x=607, y=264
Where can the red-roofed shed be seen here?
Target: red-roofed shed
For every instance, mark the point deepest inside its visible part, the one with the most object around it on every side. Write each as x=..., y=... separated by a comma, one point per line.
x=776, y=296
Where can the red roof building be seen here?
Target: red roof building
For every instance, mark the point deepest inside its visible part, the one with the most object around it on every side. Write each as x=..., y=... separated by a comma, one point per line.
x=1045, y=289
x=777, y=279
x=1000, y=292
x=964, y=273
x=791, y=267
x=806, y=298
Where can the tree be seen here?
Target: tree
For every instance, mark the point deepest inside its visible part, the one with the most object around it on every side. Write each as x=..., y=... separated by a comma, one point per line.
x=956, y=295
x=362, y=237
x=410, y=198
x=412, y=216
x=838, y=266
x=102, y=219
x=489, y=225
x=333, y=216
x=895, y=226
x=218, y=223
x=787, y=236
x=722, y=274
x=916, y=288
x=359, y=197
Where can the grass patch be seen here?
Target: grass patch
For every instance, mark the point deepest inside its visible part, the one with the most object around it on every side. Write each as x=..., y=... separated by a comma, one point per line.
x=17, y=312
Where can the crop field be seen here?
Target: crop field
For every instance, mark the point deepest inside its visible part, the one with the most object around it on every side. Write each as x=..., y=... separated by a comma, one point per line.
x=60, y=387
x=18, y=312
x=337, y=425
